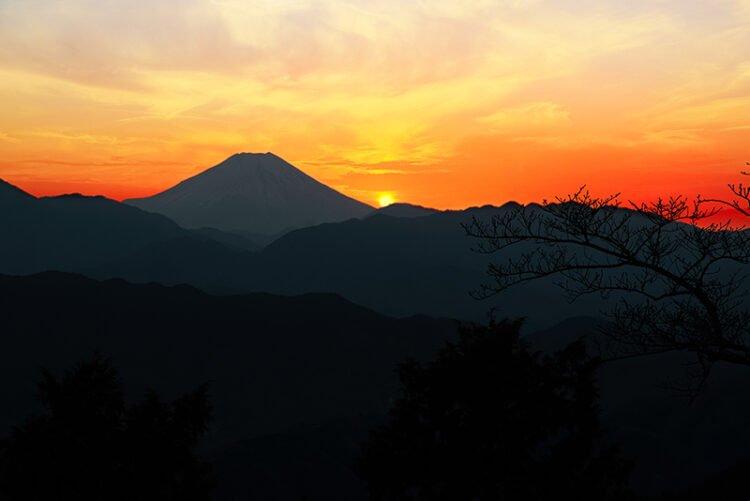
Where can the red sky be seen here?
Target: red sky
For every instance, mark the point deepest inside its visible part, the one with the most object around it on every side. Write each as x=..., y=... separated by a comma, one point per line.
x=445, y=104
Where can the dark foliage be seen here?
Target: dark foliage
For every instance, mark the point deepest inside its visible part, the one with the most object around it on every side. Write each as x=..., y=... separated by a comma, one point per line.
x=489, y=419
x=729, y=485
x=89, y=445
x=277, y=367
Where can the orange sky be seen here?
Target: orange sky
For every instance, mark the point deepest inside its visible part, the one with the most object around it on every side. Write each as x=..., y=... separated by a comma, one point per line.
x=442, y=103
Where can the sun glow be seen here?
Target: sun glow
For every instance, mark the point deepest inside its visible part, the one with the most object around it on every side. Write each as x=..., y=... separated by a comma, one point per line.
x=385, y=199
x=447, y=104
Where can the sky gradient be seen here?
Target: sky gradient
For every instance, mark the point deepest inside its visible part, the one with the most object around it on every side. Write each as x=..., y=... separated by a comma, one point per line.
x=442, y=103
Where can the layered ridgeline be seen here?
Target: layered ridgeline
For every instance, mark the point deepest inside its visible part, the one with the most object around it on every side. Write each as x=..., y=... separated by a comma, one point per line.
x=405, y=210
x=400, y=260
x=252, y=194
x=75, y=232
x=395, y=265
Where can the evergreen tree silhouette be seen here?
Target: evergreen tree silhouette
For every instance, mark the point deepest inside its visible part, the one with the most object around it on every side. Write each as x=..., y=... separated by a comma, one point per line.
x=490, y=420
x=89, y=445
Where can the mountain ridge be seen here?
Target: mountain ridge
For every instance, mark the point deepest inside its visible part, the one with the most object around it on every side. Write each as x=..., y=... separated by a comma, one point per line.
x=8, y=190
x=252, y=193
x=405, y=209
x=74, y=232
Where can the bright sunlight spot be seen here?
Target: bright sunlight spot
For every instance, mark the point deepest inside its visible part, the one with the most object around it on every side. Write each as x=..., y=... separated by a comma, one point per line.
x=385, y=199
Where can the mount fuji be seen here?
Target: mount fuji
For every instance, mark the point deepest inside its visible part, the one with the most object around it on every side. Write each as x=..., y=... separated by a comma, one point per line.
x=252, y=193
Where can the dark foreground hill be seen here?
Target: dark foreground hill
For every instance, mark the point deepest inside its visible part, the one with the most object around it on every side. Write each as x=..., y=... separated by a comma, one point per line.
x=297, y=382
x=273, y=364
x=677, y=439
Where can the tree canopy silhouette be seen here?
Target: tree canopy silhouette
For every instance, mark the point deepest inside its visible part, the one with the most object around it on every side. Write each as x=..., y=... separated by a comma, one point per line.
x=678, y=280
x=89, y=445
x=489, y=419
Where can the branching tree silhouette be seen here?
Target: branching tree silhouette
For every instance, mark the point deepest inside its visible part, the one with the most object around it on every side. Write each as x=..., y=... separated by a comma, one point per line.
x=741, y=197
x=489, y=419
x=90, y=446
x=677, y=280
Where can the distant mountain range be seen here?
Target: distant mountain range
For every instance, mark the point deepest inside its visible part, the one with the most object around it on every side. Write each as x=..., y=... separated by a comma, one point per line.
x=399, y=260
x=252, y=194
x=405, y=210
x=76, y=232
x=395, y=265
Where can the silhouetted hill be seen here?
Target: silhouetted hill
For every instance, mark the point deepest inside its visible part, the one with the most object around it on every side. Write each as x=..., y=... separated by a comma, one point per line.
x=298, y=381
x=252, y=193
x=395, y=265
x=203, y=263
x=232, y=241
x=312, y=463
x=406, y=265
x=405, y=210
x=75, y=232
x=272, y=363
x=10, y=193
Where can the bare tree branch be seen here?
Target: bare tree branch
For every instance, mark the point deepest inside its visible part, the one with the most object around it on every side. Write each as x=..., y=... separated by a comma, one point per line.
x=678, y=279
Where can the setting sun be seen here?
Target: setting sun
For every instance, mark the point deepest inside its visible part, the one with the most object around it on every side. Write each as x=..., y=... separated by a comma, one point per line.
x=385, y=199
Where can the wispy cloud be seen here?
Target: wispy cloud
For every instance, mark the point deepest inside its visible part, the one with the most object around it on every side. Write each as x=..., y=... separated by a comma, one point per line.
x=380, y=89
x=534, y=115
x=8, y=138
